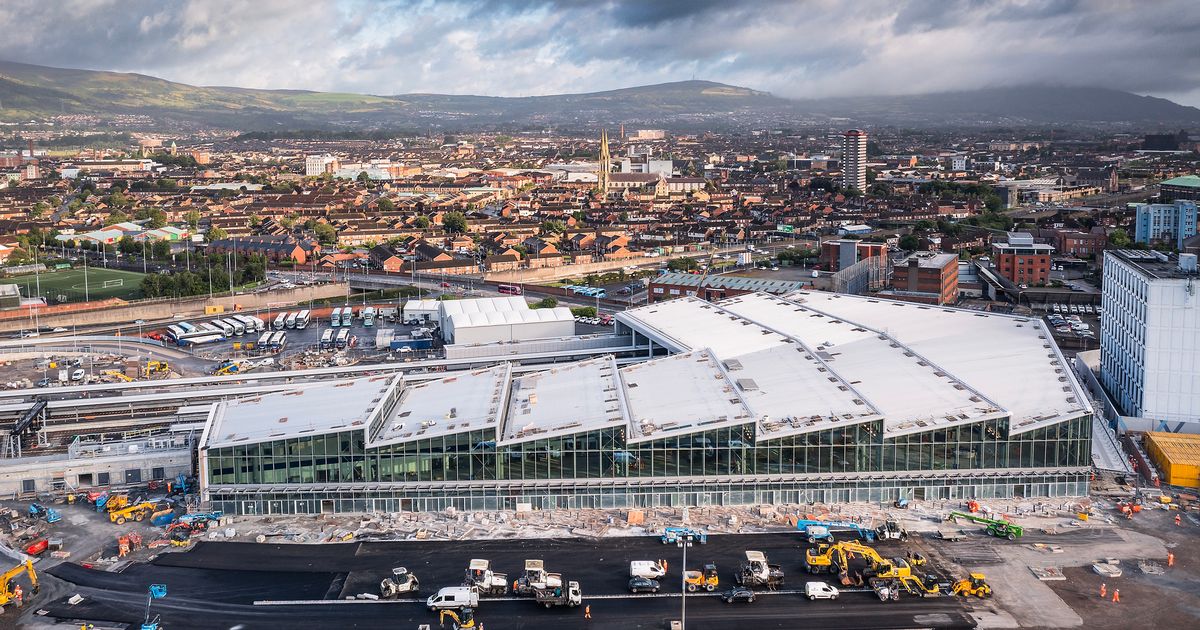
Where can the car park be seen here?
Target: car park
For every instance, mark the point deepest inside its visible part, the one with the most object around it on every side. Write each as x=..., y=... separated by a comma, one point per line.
x=643, y=585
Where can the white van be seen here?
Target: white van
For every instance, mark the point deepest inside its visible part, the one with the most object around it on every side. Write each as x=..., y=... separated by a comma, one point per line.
x=453, y=597
x=646, y=569
x=820, y=590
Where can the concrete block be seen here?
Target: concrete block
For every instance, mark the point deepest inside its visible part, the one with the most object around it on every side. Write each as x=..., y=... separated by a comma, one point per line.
x=635, y=517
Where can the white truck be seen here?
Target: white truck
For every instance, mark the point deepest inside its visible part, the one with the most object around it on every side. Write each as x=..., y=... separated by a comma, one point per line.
x=648, y=569
x=571, y=596
x=453, y=598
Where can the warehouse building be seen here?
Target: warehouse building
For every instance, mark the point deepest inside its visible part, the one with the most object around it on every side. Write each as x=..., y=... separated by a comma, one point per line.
x=1177, y=456
x=500, y=320
x=808, y=397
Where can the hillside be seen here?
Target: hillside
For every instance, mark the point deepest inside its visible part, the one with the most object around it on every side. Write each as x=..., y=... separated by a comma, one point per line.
x=30, y=91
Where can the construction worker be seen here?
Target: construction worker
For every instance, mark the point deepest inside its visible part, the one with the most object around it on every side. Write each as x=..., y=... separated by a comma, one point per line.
x=514, y=586
x=19, y=595
x=1103, y=590
x=1170, y=559
x=1116, y=594
x=1178, y=520
x=587, y=611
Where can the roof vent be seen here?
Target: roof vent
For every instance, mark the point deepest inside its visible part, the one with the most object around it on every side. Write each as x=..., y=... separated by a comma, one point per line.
x=1187, y=263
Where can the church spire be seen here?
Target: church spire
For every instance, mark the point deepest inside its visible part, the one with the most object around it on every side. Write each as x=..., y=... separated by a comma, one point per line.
x=605, y=164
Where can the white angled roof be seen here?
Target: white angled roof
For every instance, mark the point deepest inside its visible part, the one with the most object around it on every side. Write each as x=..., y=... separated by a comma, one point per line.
x=791, y=391
x=1011, y=360
x=573, y=398
x=450, y=308
x=462, y=401
x=913, y=394
x=690, y=323
x=306, y=410
x=680, y=394
x=508, y=318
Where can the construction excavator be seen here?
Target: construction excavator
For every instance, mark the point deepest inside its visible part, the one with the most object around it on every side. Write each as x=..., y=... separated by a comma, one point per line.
x=8, y=593
x=975, y=585
x=836, y=558
x=463, y=619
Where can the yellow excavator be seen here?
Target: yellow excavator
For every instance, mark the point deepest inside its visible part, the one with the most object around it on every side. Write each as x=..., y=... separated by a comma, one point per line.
x=975, y=585
x=7, y=588
x=154, y=367
x=119, y=375
x=463, y=620
x=834, y=558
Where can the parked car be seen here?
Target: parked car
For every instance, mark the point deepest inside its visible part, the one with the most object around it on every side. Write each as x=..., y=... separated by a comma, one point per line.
x=642, y=585
x=738, y=594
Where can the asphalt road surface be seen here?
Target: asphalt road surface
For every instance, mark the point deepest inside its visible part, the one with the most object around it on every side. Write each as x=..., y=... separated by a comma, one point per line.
x=223, y=585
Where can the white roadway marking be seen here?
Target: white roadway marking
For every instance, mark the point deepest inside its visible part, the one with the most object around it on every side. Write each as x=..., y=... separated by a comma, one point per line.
x=317, y=602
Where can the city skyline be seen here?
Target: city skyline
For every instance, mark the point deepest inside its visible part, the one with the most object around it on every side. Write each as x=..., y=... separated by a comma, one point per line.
x=791, y=49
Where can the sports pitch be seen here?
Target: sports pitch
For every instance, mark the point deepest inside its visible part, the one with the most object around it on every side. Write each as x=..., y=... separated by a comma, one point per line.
x=68, y=285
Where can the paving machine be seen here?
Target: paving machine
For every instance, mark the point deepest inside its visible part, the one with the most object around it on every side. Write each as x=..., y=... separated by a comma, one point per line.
x=488, y=582
x=757, y=572
x=536, y=578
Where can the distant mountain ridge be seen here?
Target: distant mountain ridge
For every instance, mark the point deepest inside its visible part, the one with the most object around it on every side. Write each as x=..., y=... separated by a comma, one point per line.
x=31, y=91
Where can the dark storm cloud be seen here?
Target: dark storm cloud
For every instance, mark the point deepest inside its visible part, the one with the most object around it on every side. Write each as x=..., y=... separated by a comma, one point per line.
x=522, y=47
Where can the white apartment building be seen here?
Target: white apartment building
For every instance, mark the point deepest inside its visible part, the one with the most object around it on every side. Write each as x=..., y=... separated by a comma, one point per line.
x=854, y=160
x=1150, y=338
x=317, y=165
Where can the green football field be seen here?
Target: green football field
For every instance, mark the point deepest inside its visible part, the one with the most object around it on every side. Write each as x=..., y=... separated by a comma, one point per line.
x=68, y=285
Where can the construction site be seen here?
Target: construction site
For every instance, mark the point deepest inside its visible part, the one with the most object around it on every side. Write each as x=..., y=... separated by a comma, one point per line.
x=919, y=564
x=705, y=464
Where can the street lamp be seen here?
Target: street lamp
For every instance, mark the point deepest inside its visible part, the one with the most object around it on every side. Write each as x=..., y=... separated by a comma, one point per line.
x=683, y=542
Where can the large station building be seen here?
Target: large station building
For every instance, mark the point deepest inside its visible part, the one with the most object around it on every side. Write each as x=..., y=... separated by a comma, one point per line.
x=755, y=399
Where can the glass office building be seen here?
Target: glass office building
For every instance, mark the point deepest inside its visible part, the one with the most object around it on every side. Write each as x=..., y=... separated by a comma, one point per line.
x=758, y=399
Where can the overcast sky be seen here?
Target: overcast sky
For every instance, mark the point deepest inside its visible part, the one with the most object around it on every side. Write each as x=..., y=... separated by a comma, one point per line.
x=791, y=48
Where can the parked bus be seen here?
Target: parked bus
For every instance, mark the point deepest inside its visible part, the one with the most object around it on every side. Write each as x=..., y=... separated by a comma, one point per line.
x=226, y=329
x=201, y=339
x=335, y=318
x=343, y=338
x=239, y=328
x=210, y=328
x=279, y=321
x=175, y=332
x=291, y=321
x=187, y=327
x=278, y=340
x=510, y=289
x=368, y=316
x=302, y=319
x=327, y=339
x=347, y=317
x=259, y=324
x=264, y=341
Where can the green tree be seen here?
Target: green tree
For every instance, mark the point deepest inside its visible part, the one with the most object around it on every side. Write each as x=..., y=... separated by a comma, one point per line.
x=454, y=222
x=326, y=234
x=1119, y=238
x=161, y=250
x=683, y=264
x=193, y=218
x=38, y=210
x=215, y=234
x=421, y=222
x=553, y=227
x=386, y=205
x=155, y=217
x=127, y=245
x=548, y=302
x=117, y=216
x=364, y=177
x=910, y=242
